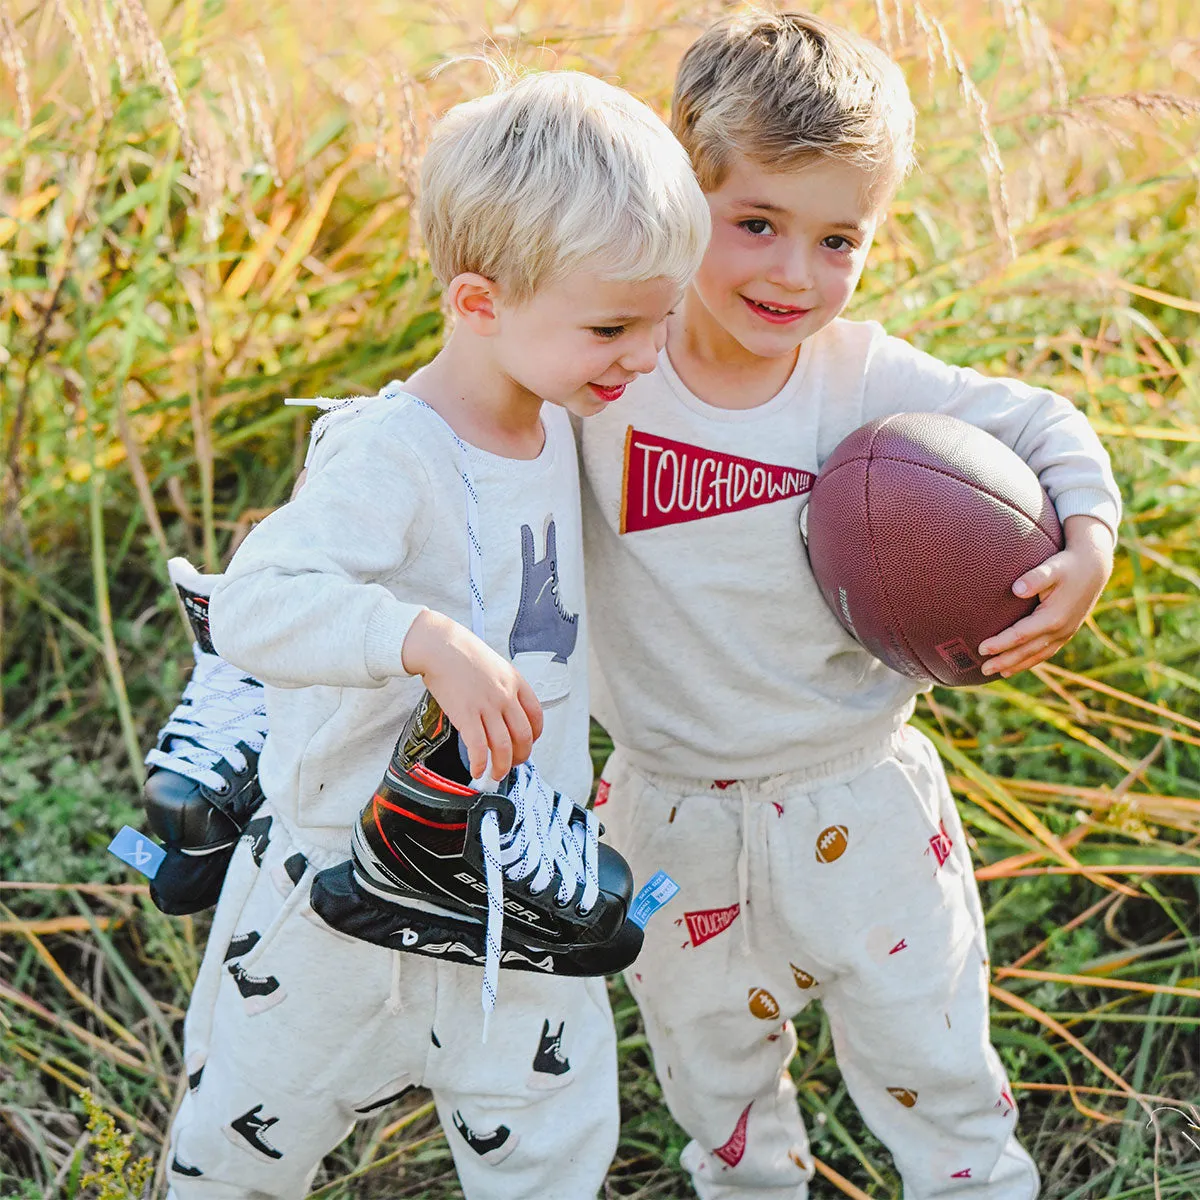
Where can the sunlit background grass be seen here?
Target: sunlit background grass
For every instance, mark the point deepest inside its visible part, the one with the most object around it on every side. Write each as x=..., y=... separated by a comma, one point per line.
x=206, y=207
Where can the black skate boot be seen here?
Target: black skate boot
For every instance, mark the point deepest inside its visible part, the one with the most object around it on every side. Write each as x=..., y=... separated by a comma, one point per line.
x=203, y=786
x=513, y=877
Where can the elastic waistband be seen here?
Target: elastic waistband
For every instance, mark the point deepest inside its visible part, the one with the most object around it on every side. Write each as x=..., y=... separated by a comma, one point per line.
x=829, y=773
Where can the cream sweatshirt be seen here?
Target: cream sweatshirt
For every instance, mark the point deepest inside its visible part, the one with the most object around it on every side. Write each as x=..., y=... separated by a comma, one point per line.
x=714, y=654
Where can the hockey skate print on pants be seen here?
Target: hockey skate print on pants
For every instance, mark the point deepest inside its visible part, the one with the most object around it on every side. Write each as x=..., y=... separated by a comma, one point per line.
x=203, y=787
x=513, y=877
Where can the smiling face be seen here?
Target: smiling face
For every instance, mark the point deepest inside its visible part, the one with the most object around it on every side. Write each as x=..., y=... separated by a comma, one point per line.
x=579, y=341
x=786, y=254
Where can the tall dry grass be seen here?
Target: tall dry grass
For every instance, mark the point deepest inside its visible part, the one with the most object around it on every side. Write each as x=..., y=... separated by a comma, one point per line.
x=205, y=207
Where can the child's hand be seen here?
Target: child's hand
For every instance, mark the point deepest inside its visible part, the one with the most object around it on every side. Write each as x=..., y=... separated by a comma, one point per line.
x=487, y=701
x=1068, y=584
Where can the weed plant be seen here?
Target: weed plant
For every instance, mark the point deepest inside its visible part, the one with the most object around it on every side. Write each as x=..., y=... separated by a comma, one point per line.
x=206, y=207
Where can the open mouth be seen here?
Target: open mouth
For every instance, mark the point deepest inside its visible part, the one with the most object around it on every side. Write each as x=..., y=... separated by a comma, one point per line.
x=777, y=314
x=607, y=394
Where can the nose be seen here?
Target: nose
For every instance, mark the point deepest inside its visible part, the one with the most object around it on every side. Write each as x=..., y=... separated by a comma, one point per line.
x=793, y=269
x=640, y=353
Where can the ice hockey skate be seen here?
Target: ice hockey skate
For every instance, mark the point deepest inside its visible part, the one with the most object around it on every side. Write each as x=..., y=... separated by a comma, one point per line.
x=203, y=787
x=448, y=870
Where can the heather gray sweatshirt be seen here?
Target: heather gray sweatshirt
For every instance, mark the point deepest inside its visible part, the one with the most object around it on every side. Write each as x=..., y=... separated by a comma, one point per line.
x=318, y=599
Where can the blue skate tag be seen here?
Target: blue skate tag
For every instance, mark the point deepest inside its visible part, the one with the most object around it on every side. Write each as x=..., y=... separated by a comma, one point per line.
x=138, y=851
x=658, y=890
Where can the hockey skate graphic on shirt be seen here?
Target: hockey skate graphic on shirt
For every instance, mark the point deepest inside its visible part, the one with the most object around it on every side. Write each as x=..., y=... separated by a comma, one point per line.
x=667, y=482
x=258, y=834
x=248, y=1131
x=259, y=992
x=194, y=1066
x=551, y=1067
x=493, y=1147
x=287, y=874
x=543, y=634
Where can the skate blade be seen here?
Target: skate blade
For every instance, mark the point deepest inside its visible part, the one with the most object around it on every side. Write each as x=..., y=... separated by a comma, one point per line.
x=347, y=907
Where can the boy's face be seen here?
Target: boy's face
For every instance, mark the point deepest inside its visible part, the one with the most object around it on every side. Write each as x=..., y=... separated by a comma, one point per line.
x=786, y=253
x=579, y=341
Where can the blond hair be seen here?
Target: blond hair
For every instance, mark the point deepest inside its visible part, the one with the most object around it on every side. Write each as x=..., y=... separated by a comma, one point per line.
x=784, y=89
x=555, y=171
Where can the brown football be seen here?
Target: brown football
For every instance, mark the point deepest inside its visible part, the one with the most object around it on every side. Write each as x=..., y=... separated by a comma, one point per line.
x=803, y=978
x=763, y=1005
x=832, y=843
x=917, y=527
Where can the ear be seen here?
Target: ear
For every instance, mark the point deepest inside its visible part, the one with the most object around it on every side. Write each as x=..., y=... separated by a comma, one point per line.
x=474, y=300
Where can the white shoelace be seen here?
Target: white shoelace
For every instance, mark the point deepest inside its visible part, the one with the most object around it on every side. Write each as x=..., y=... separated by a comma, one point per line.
x=220, y=710
x=542, y=838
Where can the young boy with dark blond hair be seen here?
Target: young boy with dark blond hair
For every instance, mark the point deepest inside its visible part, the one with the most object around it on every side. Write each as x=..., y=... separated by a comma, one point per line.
x=762, y=756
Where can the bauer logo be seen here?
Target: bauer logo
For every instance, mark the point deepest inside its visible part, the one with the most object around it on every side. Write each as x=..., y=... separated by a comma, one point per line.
x=668, y=482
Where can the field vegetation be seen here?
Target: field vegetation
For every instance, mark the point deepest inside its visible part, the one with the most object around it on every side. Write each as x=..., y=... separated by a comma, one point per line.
x=206, y=207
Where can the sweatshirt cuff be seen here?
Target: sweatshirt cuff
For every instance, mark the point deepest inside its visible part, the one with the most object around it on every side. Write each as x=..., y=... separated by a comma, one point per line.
x=1089, y=502
x=387, y=627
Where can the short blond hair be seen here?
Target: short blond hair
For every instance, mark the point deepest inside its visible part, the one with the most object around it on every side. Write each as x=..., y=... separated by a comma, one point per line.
x=783, y=89
x=554, y=171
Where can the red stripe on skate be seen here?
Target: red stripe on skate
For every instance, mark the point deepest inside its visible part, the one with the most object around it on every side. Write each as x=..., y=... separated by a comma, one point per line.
x=412, y=816
x=386, y=842
x=424, y=775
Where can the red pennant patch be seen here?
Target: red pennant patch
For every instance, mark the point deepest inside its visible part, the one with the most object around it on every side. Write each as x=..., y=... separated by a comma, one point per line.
x=708, y=922
x=731, y=1153
x=668, y=482
x=941, y=844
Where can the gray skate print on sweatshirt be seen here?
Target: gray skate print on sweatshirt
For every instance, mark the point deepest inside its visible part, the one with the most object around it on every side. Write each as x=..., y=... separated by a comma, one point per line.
x=543, y=634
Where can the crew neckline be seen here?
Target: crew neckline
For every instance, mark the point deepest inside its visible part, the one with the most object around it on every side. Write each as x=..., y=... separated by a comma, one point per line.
x=768, y=408
x=477, y=454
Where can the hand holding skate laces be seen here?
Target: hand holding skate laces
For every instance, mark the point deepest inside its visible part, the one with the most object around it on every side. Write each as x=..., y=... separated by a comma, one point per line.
x=513, y=877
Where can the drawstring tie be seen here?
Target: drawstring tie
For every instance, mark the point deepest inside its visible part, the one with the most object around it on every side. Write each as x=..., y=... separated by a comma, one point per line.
x=743, y=866
x=395, y=1005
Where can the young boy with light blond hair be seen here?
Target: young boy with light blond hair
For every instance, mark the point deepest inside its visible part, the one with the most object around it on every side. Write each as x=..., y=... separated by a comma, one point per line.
x=762, y=757
x=436, y=545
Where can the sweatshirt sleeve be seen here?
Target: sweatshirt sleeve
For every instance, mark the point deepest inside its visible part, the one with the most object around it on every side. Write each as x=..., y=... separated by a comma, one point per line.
x=1044, y=428
x=305, y=600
